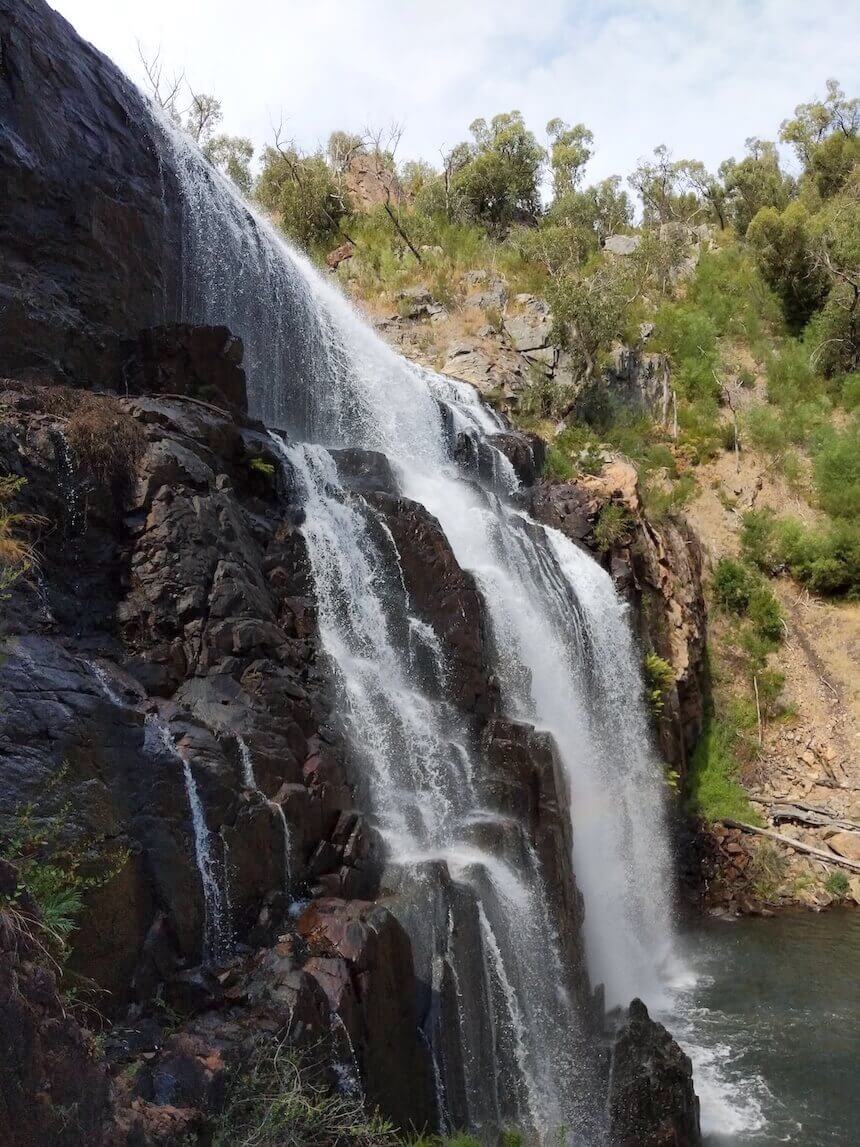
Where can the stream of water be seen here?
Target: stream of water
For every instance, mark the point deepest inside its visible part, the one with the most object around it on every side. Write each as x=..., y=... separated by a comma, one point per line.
x=772, y=1021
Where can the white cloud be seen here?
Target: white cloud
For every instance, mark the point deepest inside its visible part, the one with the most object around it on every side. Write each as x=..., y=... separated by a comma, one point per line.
x=698, y=76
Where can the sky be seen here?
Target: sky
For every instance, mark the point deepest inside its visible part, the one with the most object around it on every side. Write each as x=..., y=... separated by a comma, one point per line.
x=698, y=75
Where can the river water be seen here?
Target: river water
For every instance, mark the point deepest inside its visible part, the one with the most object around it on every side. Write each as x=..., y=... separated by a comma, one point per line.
x=772, y=1022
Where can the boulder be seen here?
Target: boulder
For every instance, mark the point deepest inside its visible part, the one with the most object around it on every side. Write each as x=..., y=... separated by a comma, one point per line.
x=369, y=184
x=339, y=255
x=845, y=844
x=621, y=244
x=418, y=303
x=485, y=290
x=651, y=1098
x=529, y=325
x=640, y=381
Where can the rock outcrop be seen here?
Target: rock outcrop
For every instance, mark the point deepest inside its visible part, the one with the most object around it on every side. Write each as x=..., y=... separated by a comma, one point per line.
x=53, y=1086
x=651, y=1097
x=89, y=248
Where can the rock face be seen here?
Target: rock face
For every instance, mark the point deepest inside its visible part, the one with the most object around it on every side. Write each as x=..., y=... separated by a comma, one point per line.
x=89, y=250
x=651, y=1097
x=53, y=1089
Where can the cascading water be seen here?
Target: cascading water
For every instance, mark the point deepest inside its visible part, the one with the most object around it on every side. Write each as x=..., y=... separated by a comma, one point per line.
x=412, y=744
x=217, y=938
x=566, y=661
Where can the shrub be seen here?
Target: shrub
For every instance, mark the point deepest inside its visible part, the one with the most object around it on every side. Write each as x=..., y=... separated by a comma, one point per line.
x=558, y=464
x=729, y=289
x=50, y=873
x=701, y=431
x=16, y=553
x=767, y=870
x=733, y=585
x=280, y=1101
x=790, y=373
x=837, y=885
x=764, y=613
x=766, y=429
x=660, y=500
x=659, y=677
x=689, y=336
x=827, y=560
x=837, y=473
x=850, y=391
x=612, y=527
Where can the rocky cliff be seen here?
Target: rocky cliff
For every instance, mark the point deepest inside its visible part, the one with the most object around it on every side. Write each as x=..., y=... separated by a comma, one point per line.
x=167, y=708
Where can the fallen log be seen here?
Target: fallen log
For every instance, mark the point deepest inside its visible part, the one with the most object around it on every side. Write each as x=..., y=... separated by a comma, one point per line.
x=809, y=815
x=797, y=845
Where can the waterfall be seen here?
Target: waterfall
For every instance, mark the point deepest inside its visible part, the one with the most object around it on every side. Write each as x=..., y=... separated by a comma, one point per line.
x=565, y=660
x=217, y=937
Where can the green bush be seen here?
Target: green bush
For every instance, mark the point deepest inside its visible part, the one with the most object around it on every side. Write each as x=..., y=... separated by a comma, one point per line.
x=713, y=786
x=660, y=501
x=837, y=884
x=727, y=286
x=791, y=376
x=558, y=464
x=659, y=677
x=764, y=613
x=837, y=473
x=612, y=527
x=733, y=585
x=51, y=871
x=826, y=560
x=850, y=391
x=689, y=336
x=701, y=430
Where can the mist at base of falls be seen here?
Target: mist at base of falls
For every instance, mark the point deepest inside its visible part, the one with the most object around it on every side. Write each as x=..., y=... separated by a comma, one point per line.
x=566, y=664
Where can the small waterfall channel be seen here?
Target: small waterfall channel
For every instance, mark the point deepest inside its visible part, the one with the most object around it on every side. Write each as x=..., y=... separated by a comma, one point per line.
x=247, y=762
x=565, y=661
x=217, y=935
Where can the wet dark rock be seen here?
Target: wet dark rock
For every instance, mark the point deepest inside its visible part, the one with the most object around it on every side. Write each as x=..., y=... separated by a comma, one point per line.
x=365, y=471
x=198, y=362
x=651, y=1098
x=90, y=250
x=445, y=597
x=525, y=780
x=53, y=1087
x=362, y=958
